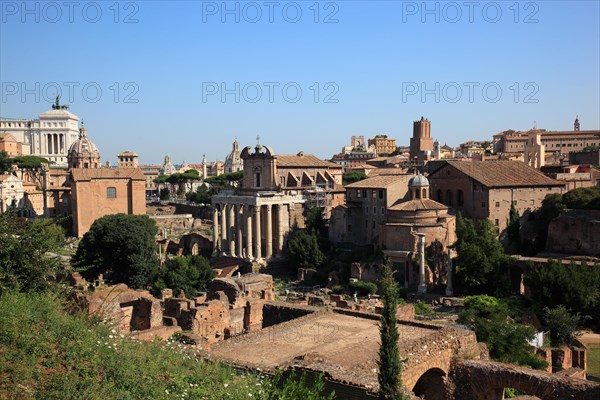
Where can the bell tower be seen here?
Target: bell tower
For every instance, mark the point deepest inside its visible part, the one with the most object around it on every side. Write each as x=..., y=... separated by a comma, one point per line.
x=421, y=144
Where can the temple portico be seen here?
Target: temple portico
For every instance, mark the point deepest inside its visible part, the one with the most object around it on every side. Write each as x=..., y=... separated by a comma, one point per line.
x=253, y=227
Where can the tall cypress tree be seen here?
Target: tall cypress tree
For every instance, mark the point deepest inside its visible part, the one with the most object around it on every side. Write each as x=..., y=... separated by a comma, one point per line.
x=514, y=229
x=390, y=365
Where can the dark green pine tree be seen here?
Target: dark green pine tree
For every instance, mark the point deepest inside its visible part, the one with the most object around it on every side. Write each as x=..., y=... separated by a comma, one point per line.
x=390, y=365
x=514, y=229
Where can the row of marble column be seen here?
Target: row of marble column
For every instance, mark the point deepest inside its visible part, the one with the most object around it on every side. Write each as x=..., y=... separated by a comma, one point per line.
x=56, y=143
x=239, y=229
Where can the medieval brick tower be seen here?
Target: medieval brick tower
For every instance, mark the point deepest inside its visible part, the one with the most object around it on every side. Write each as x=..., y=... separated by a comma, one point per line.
x=421, y=144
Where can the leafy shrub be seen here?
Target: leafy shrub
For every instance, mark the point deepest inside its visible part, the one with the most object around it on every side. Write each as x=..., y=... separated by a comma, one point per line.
x=337, y=289
x=494, y=321
x=24, y=264
x=363, y=288
x=303, y=249
x=190, y=274
x=562, y=325
x=424, y=309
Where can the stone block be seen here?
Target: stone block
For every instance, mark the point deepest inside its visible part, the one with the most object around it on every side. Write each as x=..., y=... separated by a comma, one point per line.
x=227, y=286
x=253, y=315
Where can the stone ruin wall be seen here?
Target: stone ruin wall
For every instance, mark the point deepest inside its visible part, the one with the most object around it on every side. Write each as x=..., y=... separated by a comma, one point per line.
x=230, y=307
x=575, y=232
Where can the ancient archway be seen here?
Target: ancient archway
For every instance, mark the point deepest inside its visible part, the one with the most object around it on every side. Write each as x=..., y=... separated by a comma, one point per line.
x=431, y=385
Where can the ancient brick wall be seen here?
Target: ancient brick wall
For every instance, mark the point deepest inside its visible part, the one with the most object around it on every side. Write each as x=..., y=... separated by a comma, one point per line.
x=575, y=232
x=479, y=380
x=275, y=314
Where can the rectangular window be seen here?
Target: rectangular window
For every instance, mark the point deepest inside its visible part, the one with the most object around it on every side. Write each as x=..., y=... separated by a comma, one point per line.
x=497, y=204
x=483, y=204
x=358, y=194
x=381, y=194
x=497, y=222
x=532, y=202
x=382, y=210
x=375, y=210
x=365, y=193
x=111, y=193
x=374, y=194
x=373, y=225
x=366, y=223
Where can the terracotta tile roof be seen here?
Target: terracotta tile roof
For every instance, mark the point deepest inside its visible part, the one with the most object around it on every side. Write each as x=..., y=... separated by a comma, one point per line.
x=387, y=171
x=85, y=174
x=56, y=171
x=502, y=173
x=5, y=137
x=380, y=181
x=306, y=160
x=5, y=177
x=418, y=204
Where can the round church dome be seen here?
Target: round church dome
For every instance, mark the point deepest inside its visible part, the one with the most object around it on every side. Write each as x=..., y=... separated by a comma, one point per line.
x=83, y=153
x=418, y=181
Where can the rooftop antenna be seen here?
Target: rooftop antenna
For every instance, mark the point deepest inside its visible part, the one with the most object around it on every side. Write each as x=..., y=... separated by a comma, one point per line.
x=258, y=140
x=534, y=124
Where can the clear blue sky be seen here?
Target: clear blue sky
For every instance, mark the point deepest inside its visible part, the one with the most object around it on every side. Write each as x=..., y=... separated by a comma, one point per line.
x=372, y=61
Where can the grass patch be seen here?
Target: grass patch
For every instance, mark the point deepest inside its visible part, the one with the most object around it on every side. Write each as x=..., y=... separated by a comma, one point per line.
x=48, y=354
x=593, y=361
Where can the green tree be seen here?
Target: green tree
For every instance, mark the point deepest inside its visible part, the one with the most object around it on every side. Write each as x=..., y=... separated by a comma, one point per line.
x=122, y=248
x=582, y=198
x=200, y=196
x=32, y=164
x=5, y=162
x=315, y=222
x=190, y=274
x=482, y=266
x=224, y=181
x=576, y=287
x=354, y=176
x=24, y=244
x=513, y=229
x=390, y=365
x=303, y=250
x=494, y=322
x=165, y=194
x=562, y=325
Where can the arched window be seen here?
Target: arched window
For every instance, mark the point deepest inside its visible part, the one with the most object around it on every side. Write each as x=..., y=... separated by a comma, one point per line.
x=449, y=197
x=424, y=195
x=257, y=177
x=440, y=196
x=417, y=194
x=111, y=192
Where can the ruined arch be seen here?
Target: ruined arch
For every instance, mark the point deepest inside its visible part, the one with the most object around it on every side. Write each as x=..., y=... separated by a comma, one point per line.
x=431, y=385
